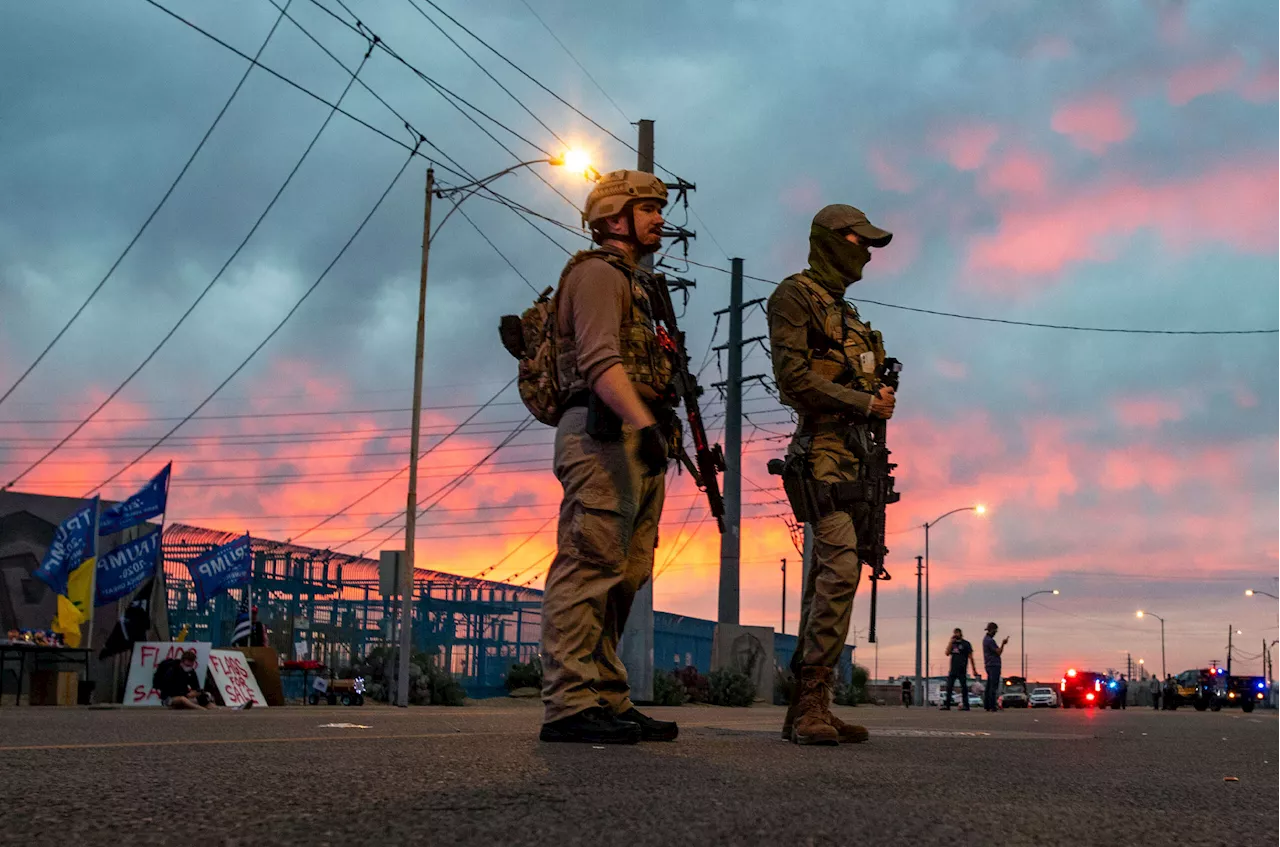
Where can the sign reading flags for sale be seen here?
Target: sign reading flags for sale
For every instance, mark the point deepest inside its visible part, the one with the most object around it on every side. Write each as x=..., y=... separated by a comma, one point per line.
x=147, y=656
x=236, y=682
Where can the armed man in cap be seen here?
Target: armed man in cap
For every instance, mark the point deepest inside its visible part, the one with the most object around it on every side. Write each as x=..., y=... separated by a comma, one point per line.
x=610, y=458
x=826, y=361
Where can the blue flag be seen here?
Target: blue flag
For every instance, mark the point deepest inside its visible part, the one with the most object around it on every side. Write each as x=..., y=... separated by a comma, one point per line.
x=72, y=545
x=126, y=567
x=148, y=502
x=221, y=568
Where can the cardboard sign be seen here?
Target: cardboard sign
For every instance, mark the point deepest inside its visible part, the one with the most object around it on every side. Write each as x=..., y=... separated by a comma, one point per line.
x=235, y=681
x=147, y=656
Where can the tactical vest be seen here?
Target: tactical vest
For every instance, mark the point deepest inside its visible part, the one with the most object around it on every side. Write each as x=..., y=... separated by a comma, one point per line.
x=643, y=358
x=842, y=348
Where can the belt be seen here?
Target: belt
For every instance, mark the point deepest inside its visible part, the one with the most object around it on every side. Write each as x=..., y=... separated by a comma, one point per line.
x=815, y=424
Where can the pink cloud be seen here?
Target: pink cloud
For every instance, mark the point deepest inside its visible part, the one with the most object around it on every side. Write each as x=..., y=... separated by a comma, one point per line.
x=951, y=370
x=1188, y=83
x=1262, y=86
x=1148, y=412
x=1233, y=204
x=965, y=146
x=1017, y=172
x=1094, y=123
x=889, y=171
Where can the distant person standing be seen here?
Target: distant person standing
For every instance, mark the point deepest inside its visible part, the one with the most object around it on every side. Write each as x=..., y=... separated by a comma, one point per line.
x=961, y=653
x=907, y=692
x=1122, y=693
x=991, y=653
x=1169, y=693
x=1155, y=693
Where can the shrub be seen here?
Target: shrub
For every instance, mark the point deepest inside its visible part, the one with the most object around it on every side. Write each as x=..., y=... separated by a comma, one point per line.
x=667, y=689
x=525, y=675
x=783, y=684
x=731, y=688
x=428, y=685
x=696, y=686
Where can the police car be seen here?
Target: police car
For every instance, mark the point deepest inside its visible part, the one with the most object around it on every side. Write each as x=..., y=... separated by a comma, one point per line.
x=1247, y=692
x=1083, y=689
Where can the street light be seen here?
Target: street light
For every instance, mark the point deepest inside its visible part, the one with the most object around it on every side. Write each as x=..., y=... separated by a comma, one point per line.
x=1024, y=623
x=411, y=506
x=1163, y=670
x=977, y=509
x=1249, y=592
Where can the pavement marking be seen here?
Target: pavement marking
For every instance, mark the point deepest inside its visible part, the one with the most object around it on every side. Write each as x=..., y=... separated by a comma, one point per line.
x=113, y=745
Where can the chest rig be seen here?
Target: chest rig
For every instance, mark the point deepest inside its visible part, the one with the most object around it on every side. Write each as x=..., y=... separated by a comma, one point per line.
x=842, y=347
x=643, y=357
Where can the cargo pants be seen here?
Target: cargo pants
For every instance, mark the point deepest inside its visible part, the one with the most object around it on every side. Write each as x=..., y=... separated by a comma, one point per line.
x=608, y=528
x=827, y=602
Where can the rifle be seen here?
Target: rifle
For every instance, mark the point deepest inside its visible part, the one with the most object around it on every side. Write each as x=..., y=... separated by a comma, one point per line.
x=877, y=474
x=710, y=458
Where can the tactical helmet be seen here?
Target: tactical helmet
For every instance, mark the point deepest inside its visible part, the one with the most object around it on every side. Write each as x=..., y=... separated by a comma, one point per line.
x=616, y=189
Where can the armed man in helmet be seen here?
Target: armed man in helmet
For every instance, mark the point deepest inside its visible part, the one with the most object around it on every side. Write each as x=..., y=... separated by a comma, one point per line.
x=610, y=458
x=826, y=360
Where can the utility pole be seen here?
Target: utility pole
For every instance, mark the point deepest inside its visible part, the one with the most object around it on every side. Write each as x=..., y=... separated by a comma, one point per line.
x=1230, y=630
x=784, y=596
x=730, y=539
x=636, y=647
x=919, y=610
x=411, y=505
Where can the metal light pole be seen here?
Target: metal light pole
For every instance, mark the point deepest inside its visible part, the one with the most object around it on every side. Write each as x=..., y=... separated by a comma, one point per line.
x=1249, y=592
x=1024, y=625
x=919, y=698
x=411, y=504
x=1164, y=672
x=979, y=509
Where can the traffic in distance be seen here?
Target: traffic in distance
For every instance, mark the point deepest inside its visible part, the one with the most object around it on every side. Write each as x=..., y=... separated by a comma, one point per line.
x=1204, y=689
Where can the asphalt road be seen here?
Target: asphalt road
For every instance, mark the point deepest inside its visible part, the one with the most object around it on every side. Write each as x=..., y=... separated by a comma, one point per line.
x=477, y=775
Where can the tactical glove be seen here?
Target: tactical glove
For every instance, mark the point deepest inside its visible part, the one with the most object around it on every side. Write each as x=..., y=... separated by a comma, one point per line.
x=653, y=450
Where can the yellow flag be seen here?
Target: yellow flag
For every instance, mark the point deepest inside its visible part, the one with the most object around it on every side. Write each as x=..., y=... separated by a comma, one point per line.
x=80, y=587
x=67, y=621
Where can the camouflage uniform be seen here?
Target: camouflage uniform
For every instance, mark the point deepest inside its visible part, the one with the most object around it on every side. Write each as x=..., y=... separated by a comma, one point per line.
x=610, y=512
x=826, y=360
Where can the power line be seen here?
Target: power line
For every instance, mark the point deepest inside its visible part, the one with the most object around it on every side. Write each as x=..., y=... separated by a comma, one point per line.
x=273, y=332
x=394, y=476
x=146, y=223
x=217, y=276
x=575, y=61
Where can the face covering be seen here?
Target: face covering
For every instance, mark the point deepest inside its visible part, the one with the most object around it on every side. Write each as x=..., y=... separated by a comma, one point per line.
x=837, y=263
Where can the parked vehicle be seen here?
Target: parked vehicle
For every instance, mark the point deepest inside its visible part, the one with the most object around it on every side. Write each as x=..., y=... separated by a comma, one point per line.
x=1013, y=694
x=1043, y=698
x=1200, y=688
x=1246, y=691
x=1083, y=689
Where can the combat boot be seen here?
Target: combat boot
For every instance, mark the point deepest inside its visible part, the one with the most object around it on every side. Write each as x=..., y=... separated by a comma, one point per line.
x=810, y=725
x=848, y=733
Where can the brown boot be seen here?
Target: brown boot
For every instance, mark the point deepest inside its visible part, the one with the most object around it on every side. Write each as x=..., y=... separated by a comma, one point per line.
x=811, y=725
x=848, y=733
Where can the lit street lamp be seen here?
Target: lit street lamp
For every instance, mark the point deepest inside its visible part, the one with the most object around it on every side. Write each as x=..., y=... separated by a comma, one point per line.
x=1163, y=671
x=1024, y=624
x=570, y=158
x=1249, y=592
x=978, y=509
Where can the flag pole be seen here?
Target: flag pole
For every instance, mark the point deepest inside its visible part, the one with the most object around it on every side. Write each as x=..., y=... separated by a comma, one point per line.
x=93, y=578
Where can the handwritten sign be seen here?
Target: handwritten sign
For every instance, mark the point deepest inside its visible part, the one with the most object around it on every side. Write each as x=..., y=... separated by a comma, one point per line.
x=147, y=656
x=235, y=681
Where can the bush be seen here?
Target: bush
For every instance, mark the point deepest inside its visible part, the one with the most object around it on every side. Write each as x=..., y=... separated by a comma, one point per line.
x=731, y=688
x=428, y=685
x=855, y=691
x=696, y=686
x=525, y=676
x=667, y=689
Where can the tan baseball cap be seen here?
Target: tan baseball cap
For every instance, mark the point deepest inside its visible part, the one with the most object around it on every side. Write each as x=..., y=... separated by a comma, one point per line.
x=838, y=216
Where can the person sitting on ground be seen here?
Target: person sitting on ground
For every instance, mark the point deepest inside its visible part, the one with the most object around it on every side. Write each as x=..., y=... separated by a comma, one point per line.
x=178, y=684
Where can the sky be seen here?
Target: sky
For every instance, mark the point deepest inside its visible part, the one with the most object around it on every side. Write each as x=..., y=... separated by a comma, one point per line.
x=1101, y=164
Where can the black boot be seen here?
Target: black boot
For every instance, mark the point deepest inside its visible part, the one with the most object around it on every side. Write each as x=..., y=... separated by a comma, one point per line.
x=650, y=729
x=591, y=726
